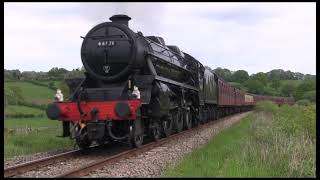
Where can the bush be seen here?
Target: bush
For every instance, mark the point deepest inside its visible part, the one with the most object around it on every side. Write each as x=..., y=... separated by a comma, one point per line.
x=293, y=120
x=310, y=95
x=267, y=106
x=303, y=102
x=64, y=89
x=23, y=115
x=13, y=94
x=50, y=85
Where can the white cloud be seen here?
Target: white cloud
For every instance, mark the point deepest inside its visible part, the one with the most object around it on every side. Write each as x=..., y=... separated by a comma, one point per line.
x=251, y=36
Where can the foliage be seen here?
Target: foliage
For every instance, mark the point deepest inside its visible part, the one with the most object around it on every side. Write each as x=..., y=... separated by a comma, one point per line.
x=266, y=106
x=12, y=74
x=75, y=73
x=39, y=83
x=223, y=73
x=254, y=86
x=32, y=105
x=280, y=74
x=15, y=111
x=305, y=86
x=270, y=91
x=13, y=95
x=238, y=85
x=24, y=115
x=272, y=142
x=33, y=93
x=57, y=73
x=309, y=77
x=288, y=89
x=275, y=84
x=289, y=121
x=64, y=89
x=262, y=77
x=240, y=76
x=310, y=95
x=304, y=102
x=51, y=85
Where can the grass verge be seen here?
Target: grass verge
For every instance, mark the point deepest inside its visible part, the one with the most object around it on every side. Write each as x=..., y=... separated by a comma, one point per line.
x=272, y=142
x=29, y=142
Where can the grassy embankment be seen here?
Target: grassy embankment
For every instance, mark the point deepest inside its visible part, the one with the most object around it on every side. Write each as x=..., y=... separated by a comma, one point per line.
x=42, y=137
x=271, y=142
x=33, y=93
x=31, y=135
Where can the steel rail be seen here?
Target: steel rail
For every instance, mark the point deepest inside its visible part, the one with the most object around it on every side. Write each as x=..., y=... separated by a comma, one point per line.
x=27, y=166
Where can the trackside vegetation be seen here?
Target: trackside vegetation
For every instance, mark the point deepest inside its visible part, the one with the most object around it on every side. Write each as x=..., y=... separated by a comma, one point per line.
x=28, y=136
x=271, y=142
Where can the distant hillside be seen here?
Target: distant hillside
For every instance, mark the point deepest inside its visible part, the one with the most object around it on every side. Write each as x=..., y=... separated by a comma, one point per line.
x=33, y=93
x=276, y=82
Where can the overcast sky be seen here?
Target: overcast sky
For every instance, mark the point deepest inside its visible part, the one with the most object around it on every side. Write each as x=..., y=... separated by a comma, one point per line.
x=256, y=37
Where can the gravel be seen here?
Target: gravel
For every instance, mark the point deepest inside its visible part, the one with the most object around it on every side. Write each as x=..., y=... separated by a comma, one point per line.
x=153, y=162
x=26, y=158
x=66, y=165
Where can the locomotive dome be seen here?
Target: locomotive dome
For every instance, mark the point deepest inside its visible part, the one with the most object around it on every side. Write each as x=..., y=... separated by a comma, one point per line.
x=109, y=49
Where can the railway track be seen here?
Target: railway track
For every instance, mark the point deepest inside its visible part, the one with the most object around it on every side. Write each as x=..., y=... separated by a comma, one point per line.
x=24, y=167
x=85, y=170
x=100, y=162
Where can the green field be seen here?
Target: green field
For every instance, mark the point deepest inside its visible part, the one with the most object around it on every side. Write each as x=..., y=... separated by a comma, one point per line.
x=31, y=135
x=34, y=93
x=23, y=142
x=47, y=82
x=32, y=122
x=13, y=109
x=272, y=142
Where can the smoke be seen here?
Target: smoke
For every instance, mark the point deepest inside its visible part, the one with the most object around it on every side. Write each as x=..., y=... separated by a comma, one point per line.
x=146, y=17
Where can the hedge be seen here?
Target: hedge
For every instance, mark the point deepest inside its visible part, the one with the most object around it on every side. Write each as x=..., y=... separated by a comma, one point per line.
x=22, y=115
x=33, y=105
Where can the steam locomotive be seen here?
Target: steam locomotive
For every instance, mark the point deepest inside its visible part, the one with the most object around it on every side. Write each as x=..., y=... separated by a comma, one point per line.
x=137, y=87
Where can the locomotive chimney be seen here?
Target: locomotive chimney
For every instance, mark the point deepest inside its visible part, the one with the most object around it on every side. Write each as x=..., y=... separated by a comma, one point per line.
x=120, y=19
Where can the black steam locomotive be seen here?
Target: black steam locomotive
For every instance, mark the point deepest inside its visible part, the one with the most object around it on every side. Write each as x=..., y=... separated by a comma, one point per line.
x=136, y=86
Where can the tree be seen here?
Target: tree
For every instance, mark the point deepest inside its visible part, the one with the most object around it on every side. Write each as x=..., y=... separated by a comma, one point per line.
x=238, y=86
x=306, y=85
x=298, y=76
x=269, y=91
x=276, y=74
x=75, y=73
x=57, y=73
x=223, y=73
x=303, y=102
x=12, y=74
x=254, y=86
x=51, y=85
x=240, y=76
x=262, y=77
x=13, y=95
x=275, y=84
x=288, y=89
x=309, y=77
x=29, y=75
x=310, y=95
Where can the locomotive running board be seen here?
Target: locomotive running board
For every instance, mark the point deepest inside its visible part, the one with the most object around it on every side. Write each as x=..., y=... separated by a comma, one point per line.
x=163, y=79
